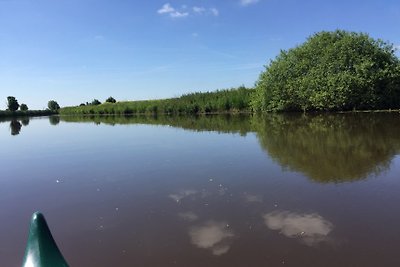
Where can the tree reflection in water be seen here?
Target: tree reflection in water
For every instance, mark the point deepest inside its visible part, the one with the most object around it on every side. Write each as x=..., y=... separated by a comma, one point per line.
x=324, y=147
x=331, y=148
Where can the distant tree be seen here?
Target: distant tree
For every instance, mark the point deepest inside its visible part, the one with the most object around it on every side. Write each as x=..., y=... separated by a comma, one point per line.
x=111, y=100
x=53, y=105
x=95, y=102
x=12, y=103
x=82, y=105
x=23, y=107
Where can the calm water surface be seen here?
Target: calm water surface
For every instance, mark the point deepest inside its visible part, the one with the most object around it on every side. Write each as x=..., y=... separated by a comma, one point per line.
x=285, y=190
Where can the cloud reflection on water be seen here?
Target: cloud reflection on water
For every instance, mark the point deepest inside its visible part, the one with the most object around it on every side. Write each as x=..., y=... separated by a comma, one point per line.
x=188, y=216
x=182, y=194
x=212, y=235
x=311, y=228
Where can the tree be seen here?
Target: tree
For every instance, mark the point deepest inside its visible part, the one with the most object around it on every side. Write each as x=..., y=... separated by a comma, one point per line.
x=12, y=103
x=95, y=102
x=336, y=70
x=53, y=105
x=23, y=107
x=111, y=100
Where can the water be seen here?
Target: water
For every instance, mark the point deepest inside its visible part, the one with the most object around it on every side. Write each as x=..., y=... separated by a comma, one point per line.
x=283, y=190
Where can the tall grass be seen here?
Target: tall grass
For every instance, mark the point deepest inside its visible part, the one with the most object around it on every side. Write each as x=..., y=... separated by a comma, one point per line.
x=222, y=101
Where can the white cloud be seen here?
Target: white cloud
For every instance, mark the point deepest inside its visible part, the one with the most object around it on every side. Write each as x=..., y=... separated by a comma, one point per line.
x=311, y=228
x=248, y=2
x=212, y=235
x=199, y=10
x=396, y=47
x=178, y=14
x=185, y=11
x=165, y=9
x=214, y=11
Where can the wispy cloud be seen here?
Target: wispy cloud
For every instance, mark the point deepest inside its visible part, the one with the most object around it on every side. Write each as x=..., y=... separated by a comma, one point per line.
x=178, y=14
x=165, y=9
x=185, y=11
x=171, y=11
x=214, y=11
x=248, y=2
x=396, y=47
x=199, y=10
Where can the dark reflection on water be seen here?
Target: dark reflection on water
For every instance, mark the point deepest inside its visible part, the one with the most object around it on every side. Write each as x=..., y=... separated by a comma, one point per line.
x=54, y=120
x=15, y=127
x=291, y=190
x=326, y=148
x=332, y=148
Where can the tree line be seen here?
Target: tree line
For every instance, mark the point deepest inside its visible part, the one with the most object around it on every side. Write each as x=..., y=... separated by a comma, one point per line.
x=16, y=109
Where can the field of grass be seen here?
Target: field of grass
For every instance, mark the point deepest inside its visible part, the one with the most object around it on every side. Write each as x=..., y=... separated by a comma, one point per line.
x=222, y=101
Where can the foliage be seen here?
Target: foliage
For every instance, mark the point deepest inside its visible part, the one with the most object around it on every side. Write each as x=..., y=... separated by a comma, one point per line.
x=53, y=105
x=111, y=100
x=331, y=71
x=12, y=103
x=23, y=107
x=95, y=102
x=233, y=100
x=18, y=113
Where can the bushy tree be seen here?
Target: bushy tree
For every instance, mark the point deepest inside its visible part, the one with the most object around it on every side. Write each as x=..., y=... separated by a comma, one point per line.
x=336, y=70
x=53, y=105
x=23, y=107
x=12, y=103
x=95, y=102
x=111, y=100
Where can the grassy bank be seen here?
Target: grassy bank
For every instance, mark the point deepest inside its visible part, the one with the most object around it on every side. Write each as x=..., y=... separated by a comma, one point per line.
x=223, y=101
x=30, y=113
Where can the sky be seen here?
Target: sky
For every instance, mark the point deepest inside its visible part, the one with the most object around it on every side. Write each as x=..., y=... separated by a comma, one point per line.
x=74, y=51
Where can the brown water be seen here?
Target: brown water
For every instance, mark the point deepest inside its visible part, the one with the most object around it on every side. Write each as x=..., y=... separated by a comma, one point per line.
x=293, y=190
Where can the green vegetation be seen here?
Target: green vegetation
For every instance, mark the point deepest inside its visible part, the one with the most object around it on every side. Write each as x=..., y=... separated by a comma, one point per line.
x=331, y=71
x=23, y=107
x=111, y=100
x=12, y=110
x=12, y=103
x=95, y=102
x=53, y=105
x=233, y=100
x=19, y=113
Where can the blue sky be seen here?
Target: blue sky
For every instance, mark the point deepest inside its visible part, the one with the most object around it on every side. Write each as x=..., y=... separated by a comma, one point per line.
x=76, y=50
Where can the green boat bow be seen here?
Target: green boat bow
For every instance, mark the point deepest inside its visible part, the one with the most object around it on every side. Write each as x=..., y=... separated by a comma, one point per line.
x=42, y=250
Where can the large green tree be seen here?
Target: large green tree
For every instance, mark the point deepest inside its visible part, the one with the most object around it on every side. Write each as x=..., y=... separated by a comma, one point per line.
x=336, y=70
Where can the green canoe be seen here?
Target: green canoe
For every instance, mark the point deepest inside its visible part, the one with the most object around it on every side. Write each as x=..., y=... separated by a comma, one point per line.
x=42, y=250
